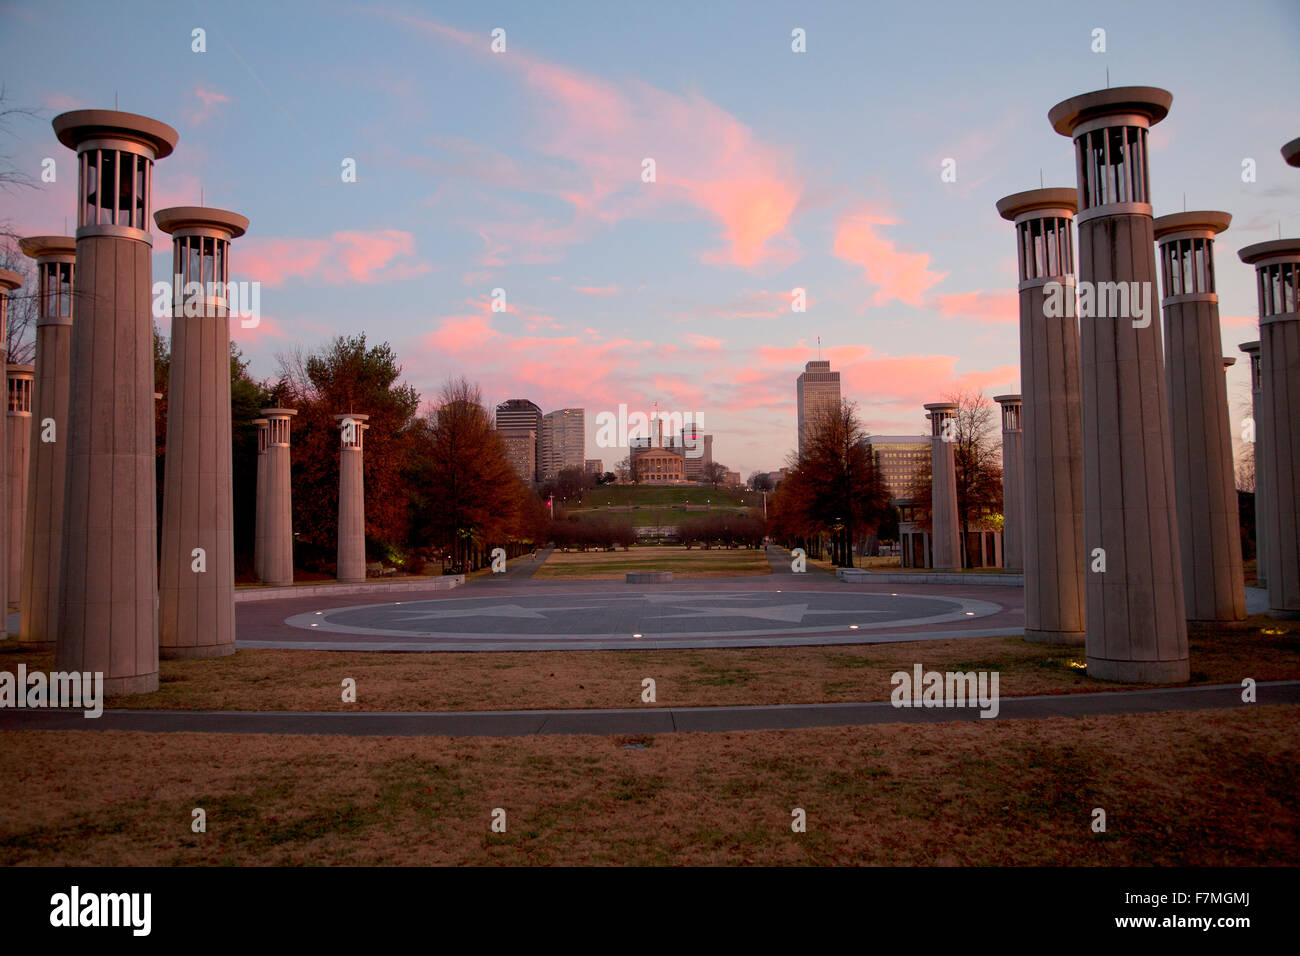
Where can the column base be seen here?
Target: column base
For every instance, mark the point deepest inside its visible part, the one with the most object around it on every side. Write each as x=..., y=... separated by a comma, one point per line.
x=1284, y=613
x=1140, y=672
x=360, y=580
x=1037, y=636
x=195, y=653
x=125, y=686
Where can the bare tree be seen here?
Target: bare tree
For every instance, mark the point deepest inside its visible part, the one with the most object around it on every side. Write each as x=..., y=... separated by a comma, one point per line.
x=977, y=454
x=11, y=174
x=23, y=308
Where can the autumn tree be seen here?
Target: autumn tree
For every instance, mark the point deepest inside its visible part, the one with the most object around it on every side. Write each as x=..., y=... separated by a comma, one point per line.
x=470, y=496
x=834, y=488
x=349, y=376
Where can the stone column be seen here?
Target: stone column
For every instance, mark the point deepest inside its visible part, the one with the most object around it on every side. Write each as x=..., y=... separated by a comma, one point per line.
x=1205, y=488
x=945, y=527
x=108, y=620
x=277, y=553
x=1277, y=271
x=1263, y=519
x=1052, y=435
x=1013, y=487
x=352, y=505
x=9, y=281
x=18, y=438
x=196, y=592
x=1136, y=624
x=56, y=258
x=259, y=516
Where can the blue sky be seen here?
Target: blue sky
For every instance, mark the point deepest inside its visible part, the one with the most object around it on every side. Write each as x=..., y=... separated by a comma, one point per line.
x=522, y=171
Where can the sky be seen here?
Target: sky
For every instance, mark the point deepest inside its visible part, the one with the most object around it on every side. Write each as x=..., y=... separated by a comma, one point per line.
x=774, y=170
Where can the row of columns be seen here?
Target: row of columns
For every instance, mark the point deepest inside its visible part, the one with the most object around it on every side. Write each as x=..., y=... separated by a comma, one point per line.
x=1120, y=485
x=86, y=560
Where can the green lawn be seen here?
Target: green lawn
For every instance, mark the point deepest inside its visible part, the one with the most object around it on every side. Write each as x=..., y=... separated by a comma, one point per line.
x=692, y=563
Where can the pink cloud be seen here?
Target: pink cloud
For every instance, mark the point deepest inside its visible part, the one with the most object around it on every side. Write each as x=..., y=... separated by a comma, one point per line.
x=898, y=275
x=705, y=158
x=705, y=342
x=597, y=290
x=208, y=103
x=343, y=257
x=987, y=307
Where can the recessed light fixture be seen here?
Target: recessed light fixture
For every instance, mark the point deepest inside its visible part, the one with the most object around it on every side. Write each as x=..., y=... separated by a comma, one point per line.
x=970, y=613
x=636, y=635
x=853, y=627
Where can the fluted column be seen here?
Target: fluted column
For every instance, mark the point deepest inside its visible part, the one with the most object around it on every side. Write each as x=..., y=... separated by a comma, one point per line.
x=277, y=558
x=1136, y=623
x=56, y=258
x=108, y=619
x=259, y=515
x=1052, y=428
x=352, y=506
x=1013, y=488
x=1205, y=489
x=945, y=527
x=1277, y=273
x=18, y=438
x=196, y=593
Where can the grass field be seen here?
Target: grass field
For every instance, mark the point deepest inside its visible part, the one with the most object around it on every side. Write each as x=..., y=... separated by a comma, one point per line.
x=1209, y=788
x=311, y=680
x=683, y=562
x=663, y=496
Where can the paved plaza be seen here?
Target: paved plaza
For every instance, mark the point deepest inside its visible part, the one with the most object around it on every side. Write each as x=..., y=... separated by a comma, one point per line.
x=487, y=616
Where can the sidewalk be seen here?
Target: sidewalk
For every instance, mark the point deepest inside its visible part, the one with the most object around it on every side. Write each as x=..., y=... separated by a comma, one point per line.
x=648, y=720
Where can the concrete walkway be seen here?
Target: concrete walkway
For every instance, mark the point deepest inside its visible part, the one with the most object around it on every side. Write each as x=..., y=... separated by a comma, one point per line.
x=647, y=720
x=779, y=560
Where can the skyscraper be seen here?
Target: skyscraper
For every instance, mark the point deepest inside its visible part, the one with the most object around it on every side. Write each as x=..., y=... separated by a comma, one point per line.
x=562, y=442
x=818, y=390
x=520, y=414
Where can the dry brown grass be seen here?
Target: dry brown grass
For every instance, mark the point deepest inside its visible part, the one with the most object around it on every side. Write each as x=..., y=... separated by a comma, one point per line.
x=1182, y=789
x=311, y=680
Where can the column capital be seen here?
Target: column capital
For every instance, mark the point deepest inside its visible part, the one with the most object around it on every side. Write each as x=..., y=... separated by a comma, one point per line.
x=1291, y=152
x=201, y=221
x=1051, y=202
x=49, y=248
x=1120, y=103
x=78, y=126
x=1190, y=225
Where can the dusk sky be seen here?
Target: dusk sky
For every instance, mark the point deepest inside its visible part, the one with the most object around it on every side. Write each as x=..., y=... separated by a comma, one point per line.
x=522, y=171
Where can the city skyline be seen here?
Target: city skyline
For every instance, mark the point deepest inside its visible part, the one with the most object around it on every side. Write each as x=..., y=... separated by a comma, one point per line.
x=680, y=291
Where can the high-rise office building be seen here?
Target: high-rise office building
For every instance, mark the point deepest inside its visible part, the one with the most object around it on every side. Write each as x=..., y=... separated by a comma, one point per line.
x=513, y=415
x=521, y=451
x=562, y=442
x=818, y=390
x=698, y=449
x=899, y=459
